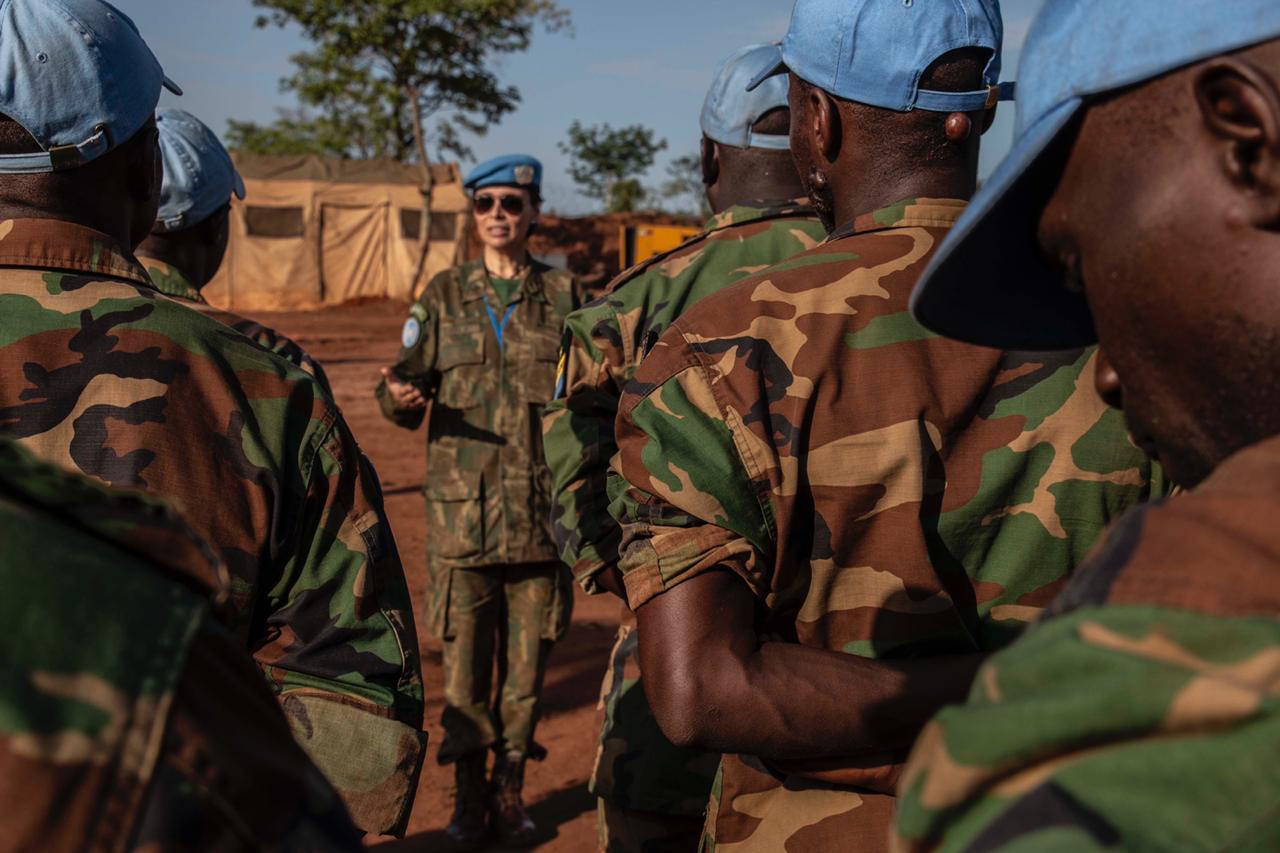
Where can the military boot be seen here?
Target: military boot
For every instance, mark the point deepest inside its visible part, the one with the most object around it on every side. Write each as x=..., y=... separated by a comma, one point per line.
x=469, y=825
x=506, y=802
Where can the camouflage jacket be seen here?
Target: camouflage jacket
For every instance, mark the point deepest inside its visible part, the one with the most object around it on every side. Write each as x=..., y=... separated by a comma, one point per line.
x=605, y=341
x=637, y=767
x=143, y=723
x=1143, y=712
x=884, y=492
x=102, y=374
x=170, y=281
x=487, y=487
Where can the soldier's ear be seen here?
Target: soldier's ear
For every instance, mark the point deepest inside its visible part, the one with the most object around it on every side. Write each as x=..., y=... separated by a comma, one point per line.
x=824, y=126
x=1240, y=107
x=710, y=162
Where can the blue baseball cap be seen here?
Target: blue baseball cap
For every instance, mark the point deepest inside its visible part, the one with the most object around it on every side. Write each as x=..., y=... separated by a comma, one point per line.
x=513, y=170
x=875, y=51
x=199, y=177
x=988, y=283
x=77, y=76
x=731, y=108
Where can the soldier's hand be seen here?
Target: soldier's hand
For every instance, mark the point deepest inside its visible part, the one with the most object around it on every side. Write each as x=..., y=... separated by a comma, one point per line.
x=405, y=395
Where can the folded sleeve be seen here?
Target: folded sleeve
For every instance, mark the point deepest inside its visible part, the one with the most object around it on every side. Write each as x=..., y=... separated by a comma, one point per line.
x=687, y=503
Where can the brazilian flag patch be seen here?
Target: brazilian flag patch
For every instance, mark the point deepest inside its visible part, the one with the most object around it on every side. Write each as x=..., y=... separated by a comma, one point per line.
x=562, y=365
x=562, y=374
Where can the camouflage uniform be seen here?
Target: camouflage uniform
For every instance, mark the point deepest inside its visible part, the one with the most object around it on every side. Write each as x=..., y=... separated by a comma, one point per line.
x=884, y=492
x=637, y=768
x=143, y=727
x=170, y=281
x=102, y=374
x=490, y=557
x=1143, y=711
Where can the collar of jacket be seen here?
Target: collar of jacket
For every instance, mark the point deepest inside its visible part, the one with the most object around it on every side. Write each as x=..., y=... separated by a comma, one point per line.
x=475, y=282
x=741, y=214
x=52, y=244
x=170, y=280
x=908, y=213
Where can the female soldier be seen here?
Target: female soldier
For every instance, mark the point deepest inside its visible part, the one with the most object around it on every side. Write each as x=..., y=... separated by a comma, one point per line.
x=480, y=347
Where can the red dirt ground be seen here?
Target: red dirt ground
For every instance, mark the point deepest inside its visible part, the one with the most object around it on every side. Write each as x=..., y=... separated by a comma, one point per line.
x=353, y=342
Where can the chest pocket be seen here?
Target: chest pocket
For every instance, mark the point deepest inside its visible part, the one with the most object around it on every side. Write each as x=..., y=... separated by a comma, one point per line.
x=461, y=360
x=540, y=368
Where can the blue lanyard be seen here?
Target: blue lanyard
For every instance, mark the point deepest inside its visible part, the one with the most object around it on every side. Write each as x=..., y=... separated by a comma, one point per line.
x=500, y=329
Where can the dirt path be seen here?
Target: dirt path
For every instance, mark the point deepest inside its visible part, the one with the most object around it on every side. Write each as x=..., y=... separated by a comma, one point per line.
x=353, y=343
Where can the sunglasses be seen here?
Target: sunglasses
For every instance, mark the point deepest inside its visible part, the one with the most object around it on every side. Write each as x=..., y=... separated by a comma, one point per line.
x=512, y=204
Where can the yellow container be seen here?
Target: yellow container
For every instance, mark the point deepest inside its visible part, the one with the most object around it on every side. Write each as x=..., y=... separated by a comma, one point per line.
x=639, y=243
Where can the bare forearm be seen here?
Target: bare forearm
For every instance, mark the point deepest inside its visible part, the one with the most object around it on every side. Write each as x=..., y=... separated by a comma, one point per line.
x=791, y=701
x=717, y=687
x=865, y=706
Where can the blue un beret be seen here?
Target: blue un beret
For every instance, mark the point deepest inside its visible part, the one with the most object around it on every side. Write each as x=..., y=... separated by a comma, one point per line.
x=513, y=170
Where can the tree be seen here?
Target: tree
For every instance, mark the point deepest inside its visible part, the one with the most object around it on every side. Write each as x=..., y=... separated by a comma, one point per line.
x=383, y=70
x=606, y=163
x=627, y=195
x=684, y=183
x=294, y=133
x=349, y=114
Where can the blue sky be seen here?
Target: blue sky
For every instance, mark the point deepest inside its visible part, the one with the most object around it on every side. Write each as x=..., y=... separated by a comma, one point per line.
x=628, y=62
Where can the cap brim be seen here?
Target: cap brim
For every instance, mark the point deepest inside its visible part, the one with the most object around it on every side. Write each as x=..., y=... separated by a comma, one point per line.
x=988, y=284
x=173, y=87
x=238, y=186
x=773, y=69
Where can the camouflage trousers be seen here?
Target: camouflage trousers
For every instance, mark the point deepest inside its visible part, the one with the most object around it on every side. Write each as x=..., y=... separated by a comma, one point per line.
x=624, y=831
x=510, y=615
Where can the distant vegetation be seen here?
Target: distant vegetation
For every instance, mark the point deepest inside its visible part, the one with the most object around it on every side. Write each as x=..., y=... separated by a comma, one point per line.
x=684, y=190
x=399, y=79
x=607, y=163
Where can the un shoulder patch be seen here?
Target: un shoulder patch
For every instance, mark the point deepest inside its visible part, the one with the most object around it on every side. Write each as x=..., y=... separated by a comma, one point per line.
x=412, y=333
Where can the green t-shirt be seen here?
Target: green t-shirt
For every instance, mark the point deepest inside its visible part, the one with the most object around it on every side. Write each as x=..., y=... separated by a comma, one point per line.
x=505, y=288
